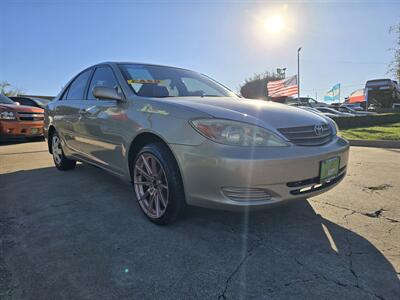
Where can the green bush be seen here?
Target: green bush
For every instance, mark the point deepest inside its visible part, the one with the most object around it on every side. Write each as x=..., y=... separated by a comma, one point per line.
x=365, y=121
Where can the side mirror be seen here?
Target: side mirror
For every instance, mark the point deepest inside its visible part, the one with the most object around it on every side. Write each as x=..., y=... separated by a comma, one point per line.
x=102, y=92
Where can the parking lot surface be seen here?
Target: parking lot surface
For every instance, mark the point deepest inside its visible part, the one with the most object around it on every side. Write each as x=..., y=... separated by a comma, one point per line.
x=80, y=235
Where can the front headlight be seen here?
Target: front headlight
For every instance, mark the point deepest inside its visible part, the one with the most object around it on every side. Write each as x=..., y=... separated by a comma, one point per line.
x=335, y=128
x=236, y=133
x=7, y=115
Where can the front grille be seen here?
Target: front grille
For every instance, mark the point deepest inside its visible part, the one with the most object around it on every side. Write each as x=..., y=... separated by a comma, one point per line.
x=307, y=136
x=246, y=194
x=29, y=116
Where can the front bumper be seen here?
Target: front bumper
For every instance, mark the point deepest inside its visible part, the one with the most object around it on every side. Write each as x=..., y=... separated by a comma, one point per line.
x=20, y=130
x=212, y=173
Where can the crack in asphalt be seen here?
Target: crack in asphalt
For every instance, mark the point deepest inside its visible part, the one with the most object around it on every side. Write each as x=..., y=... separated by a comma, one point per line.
x=285, y=285
x=316, y=275
x=389, y=249
x=380, y=187
x=322, y=276
x=350, y=256
x=319, y=275
x=240, y=264
x=391, y=229
x=375, y=214
x=5, y=247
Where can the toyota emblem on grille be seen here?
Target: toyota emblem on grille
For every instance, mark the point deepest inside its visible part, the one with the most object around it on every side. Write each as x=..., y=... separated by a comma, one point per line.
x=318, y=129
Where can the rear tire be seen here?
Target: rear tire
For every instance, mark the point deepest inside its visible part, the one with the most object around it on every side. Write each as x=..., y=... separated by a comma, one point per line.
x=62, y=163
x=157, y=184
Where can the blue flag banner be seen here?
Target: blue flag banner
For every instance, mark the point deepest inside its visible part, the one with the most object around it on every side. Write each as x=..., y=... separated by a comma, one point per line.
x=333, y=94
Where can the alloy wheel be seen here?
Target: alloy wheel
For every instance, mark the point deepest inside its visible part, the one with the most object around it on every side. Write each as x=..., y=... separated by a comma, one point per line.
x=151, y=185
x=56, y=149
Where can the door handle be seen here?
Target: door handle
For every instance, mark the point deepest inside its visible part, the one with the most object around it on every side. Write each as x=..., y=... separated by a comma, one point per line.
x=82, y=111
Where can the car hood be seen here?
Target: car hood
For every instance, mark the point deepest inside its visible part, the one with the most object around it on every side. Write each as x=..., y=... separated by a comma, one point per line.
x=263, y=113
x=21, y=108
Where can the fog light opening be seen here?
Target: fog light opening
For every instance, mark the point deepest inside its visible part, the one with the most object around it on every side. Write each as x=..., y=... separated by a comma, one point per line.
x=246, y=194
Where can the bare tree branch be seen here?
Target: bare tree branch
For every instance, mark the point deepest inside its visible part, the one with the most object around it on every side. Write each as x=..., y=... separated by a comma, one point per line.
x=394, y=67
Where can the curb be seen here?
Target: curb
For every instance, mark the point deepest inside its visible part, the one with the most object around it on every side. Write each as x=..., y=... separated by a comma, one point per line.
x=375, y=143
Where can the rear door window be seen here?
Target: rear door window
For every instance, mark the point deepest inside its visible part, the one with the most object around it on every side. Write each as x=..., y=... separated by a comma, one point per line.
x=77, y=88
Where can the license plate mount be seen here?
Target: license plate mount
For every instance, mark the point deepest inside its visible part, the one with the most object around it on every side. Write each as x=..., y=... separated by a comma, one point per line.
x=329, y=169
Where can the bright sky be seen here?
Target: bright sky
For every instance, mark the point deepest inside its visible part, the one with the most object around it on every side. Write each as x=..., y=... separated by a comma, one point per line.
x=44, y=43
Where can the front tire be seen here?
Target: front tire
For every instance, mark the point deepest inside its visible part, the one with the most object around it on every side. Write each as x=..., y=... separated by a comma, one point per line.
x=158, y=184
x=61, y=162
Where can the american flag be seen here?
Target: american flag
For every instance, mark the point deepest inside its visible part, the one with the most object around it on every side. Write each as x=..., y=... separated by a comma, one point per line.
x=283, y=88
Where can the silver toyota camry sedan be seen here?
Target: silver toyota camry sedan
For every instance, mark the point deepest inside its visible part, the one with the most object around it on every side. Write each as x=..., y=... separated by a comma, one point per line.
x=182, y=139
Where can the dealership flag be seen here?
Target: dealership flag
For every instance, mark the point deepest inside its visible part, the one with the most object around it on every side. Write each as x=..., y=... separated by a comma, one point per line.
x=333, y=94
x=283, y=88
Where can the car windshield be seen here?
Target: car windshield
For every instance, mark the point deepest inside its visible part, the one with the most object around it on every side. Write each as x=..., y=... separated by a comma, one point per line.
x=161, y=82
x=329, y=110
x=306, y=100
x=5, y=100
x=347, y=109
x=41, y=102
x=381, y=82
x=292, y=100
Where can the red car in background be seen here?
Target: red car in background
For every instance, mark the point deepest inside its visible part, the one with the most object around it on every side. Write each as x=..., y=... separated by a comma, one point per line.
x=19, y=122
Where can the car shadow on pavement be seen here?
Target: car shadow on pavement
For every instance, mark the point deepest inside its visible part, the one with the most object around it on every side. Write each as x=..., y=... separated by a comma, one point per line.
x=80, y=234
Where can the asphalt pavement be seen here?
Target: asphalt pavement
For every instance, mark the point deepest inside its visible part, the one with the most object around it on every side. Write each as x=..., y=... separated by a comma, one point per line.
x=81, y=235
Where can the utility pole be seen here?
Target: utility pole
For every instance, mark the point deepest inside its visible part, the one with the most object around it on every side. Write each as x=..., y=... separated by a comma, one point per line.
x=298, y=74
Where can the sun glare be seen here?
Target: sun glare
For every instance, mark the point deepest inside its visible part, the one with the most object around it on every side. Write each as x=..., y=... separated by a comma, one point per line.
x=275, y=24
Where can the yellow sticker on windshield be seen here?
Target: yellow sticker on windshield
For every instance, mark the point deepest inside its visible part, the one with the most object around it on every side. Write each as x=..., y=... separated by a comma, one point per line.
x=142, y=81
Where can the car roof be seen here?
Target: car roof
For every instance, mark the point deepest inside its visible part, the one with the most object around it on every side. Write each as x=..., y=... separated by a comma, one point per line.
x=116, y=63
x=27, y=97
x=306, y=98
x=383, y=79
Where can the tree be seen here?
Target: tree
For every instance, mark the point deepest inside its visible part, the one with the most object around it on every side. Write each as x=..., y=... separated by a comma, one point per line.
x=394, y=67
x=255, y=87
x=7, y=89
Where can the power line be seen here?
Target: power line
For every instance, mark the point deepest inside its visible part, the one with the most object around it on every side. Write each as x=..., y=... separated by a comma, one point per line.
x=341, y=86
x=345, y=62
